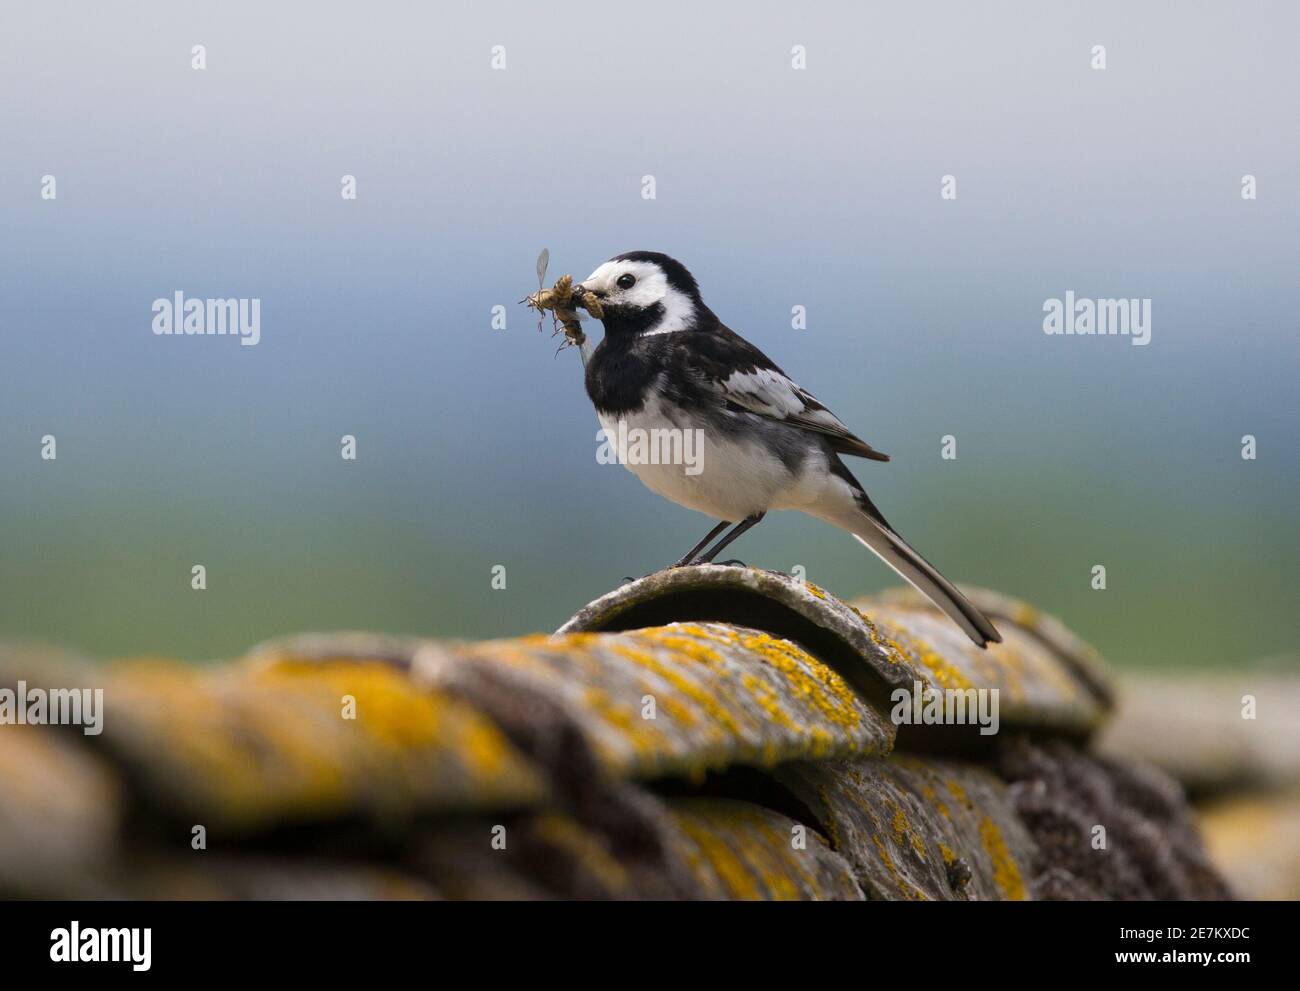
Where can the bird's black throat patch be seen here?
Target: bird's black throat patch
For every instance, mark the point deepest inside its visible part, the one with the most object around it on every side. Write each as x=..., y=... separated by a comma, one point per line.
x=621, y=371
x=626, y=321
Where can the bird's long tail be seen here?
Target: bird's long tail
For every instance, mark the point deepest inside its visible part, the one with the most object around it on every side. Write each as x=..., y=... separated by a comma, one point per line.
x=925, y=578
x=849, y=508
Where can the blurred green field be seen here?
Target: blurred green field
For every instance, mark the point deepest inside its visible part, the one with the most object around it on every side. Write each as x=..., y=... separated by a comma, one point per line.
x=113, y=578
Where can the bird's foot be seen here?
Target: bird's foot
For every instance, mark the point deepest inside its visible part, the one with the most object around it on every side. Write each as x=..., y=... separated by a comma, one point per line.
x=698, y=561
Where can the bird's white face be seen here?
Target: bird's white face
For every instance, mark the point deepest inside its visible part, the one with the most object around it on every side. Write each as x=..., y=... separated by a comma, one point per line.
x=640, y=285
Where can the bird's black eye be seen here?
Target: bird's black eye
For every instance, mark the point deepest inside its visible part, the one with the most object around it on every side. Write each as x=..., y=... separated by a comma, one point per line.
x=626, y=281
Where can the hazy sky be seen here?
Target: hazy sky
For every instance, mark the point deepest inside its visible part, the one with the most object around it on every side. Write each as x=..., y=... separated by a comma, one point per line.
x=777, y=187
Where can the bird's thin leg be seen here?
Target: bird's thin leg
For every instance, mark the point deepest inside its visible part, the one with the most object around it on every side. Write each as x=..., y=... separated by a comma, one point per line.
x=740, y=528
x=690, y=555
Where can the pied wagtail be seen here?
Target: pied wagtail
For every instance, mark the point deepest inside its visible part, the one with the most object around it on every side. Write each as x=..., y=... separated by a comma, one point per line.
x=667, y=362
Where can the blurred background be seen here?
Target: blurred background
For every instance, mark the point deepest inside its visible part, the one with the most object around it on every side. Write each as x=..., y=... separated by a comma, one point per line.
x=476, y=447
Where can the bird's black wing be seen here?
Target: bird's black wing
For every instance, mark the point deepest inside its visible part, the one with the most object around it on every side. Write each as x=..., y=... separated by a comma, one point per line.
x=744, y=377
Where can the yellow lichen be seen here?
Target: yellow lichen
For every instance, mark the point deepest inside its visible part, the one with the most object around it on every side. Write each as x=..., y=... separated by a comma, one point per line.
x=932, y=796
x=721, y=725
x=687, y=646
x=893, y=652
x=1027, y=616
x=1006, y=873
x=750, y=851
x=958, y=792
x=293, y=737
x=585, y=847
x=908, y=890
x=943, y=671
x=809, y=678
x=769, y=700
x=903, y=831
x=731, y=871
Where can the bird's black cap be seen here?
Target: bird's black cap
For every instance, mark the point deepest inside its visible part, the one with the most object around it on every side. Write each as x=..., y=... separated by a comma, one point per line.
x=678, y=275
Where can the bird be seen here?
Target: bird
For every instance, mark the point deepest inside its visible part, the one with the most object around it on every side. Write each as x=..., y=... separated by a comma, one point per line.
x=667, y=363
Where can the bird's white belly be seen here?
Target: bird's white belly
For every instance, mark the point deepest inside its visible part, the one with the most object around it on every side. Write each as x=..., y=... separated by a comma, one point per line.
x=702, y=469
